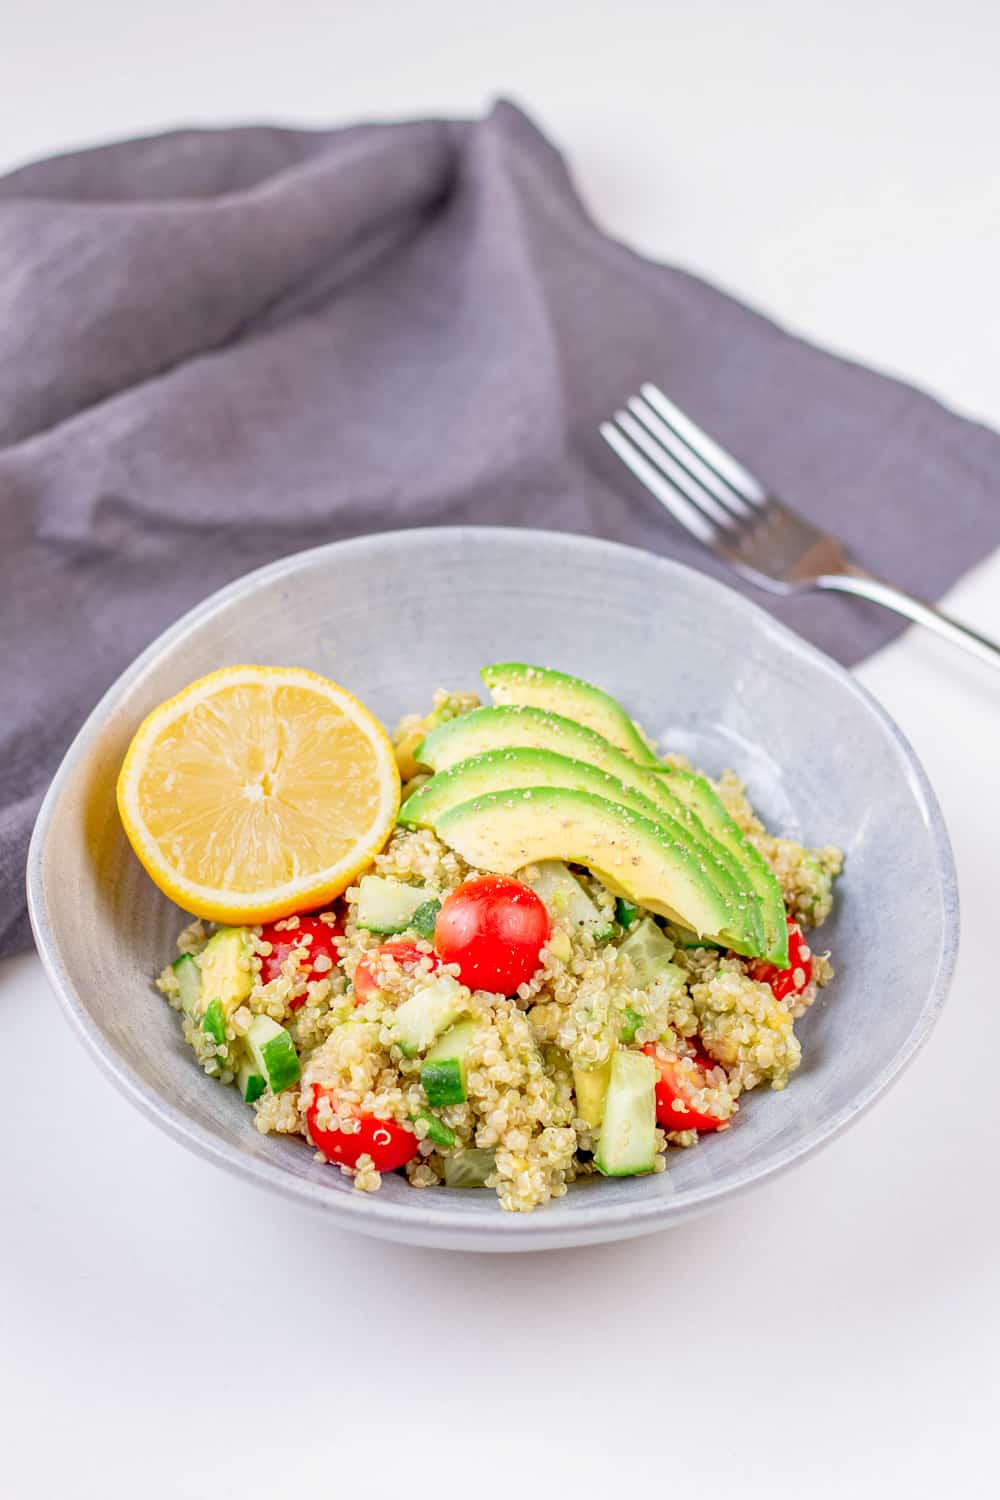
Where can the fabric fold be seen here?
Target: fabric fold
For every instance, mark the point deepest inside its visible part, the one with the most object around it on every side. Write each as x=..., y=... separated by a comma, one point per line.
x=218, y=347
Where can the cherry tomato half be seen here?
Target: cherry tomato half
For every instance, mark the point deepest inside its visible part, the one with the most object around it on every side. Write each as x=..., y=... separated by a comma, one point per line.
x=494, y=929
x=389, y=1144
x=282, y=942
x=798, y=975
x=674, y=1109
x=369, y=976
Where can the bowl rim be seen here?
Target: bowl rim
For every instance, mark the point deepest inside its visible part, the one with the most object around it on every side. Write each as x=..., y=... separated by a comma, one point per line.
x=422, y=1223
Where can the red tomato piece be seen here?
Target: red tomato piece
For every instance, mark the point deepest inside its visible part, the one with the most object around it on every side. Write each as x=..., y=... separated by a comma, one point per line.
x=674, y=1109
x=368, y=980
x=798, y=975
x=389, y=1144
x=283, y=940
x=494, y=929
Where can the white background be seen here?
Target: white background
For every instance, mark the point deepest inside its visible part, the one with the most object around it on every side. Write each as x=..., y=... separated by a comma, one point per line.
x=165, y=1331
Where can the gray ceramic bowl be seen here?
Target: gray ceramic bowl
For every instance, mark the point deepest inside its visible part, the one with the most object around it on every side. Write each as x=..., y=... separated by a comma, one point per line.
x=395, y=616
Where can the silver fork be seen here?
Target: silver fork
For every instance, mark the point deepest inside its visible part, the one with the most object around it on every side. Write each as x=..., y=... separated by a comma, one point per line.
x=725, y=507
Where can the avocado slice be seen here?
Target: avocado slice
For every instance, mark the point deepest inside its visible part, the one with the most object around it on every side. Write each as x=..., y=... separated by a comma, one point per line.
x=524, y=728
x=705, y=802
x=540, y=687
x=513, y=728
x=513, y=769
x=225, y=969
x=632, y=855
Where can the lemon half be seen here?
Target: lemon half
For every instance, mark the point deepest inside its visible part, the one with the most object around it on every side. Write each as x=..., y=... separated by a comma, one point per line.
x=258, y=792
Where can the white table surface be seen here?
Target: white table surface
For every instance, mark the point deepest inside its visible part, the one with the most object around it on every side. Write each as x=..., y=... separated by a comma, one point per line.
x=165, y=1331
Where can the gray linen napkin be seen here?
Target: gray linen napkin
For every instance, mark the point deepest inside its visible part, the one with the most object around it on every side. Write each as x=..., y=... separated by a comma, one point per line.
x=220, y=346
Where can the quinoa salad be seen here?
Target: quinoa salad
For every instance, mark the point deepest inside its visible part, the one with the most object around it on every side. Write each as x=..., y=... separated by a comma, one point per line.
x=570, y=955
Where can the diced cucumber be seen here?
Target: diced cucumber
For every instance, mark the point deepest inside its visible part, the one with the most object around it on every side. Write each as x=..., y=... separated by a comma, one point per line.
x=648, y=948
x=631, y=1025
x=188, y=974
x=626, y=913
x=469, y=1168
x=565, y=897
x=627, y=1144
x=250, y=1083
x=591, y=1086
x=424, y=919
x=437, y=1131
x=273, y=1053
x=443, y=1073
x=430, y=1010
x=386, y=906
x=214, y=1023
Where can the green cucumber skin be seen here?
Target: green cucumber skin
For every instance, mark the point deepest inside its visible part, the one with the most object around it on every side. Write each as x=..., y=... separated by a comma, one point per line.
x=255, y=1089
x=273, y=1053
x=633, y=1021
x=437, y=1131
x=424, y=919
x=442, y=1082
x=214, y=1023
x=281, y=1062
x=626, y=913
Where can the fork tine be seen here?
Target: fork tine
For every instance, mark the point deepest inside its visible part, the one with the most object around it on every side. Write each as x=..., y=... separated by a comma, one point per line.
x=679, y=477
x=707, y=449
x=680, y=508
x=685, y=455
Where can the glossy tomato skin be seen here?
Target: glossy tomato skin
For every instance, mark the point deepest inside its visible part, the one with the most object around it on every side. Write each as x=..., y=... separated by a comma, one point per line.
x=388, y=1143
x=494, y=929
x=366, y=975
x=283, y=940
x=671, y=1093
x=798, y=975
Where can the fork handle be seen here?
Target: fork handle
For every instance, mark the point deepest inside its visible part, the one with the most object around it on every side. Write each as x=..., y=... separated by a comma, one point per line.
x=866, y=586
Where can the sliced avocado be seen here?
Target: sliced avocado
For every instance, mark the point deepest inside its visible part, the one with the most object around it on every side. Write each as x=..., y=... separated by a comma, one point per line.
x=508, y=768
x=632, y=855
x=509, y=728
x=226, y=975
x=590, y=1085
x=515, y=728
x=511, y=769
x=705, y=802
x=557, y=692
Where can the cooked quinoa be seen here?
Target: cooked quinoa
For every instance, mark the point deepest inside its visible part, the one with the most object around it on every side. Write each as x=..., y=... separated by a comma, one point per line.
x=722, y=1030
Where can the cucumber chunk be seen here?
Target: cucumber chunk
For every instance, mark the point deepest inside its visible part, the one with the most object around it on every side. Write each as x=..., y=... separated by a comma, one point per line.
x=627, y=1144
x=214, y=1023
x=273, y=1053
x=188, y=974
x=430, y=1010
x=648, y=949
x=250, y=1083
x=442, y=1076
x=631, y=1025
x=388, y=906
x=626, y=913
x=437, y=1131
x=424, y=919
x=565, y=897
x=469, y=1168
x=591, y=1087
x=651, y=952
